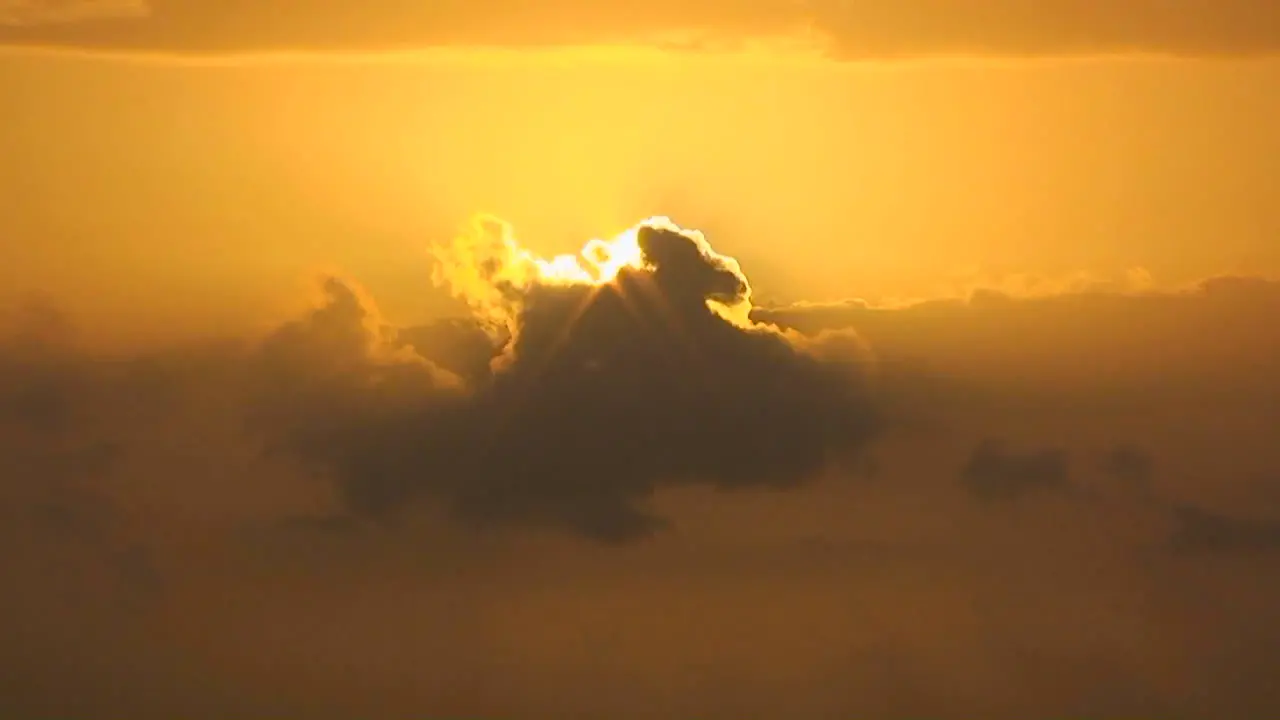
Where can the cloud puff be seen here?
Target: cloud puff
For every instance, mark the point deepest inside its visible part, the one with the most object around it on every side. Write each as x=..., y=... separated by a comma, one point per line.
x=996, y=473
x=848, y=28
x=631, y=369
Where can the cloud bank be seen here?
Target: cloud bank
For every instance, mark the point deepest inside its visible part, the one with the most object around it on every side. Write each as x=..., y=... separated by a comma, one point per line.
x=849, y=29
x=618, y=488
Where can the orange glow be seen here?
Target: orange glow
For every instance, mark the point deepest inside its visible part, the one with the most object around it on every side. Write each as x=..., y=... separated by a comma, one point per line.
x=483, y=264
x=599, y=261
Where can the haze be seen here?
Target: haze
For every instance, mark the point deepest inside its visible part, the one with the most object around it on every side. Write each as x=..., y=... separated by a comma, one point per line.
x=934, y=373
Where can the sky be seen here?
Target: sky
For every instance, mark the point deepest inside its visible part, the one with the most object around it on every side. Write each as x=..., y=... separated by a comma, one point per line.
x=923, y=363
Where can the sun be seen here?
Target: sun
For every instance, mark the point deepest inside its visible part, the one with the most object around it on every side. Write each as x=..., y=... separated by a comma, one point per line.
x=494, y=273
x=598, y=263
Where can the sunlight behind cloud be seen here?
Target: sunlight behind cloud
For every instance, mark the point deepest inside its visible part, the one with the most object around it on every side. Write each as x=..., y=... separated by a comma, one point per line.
x=489, y=268
x=598, y=262
x=501, y=280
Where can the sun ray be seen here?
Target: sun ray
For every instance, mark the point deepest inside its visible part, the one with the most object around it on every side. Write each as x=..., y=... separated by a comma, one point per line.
x=495, y=273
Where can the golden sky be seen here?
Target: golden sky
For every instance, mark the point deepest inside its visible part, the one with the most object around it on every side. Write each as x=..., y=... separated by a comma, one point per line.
x=947, y=389
x=227, y=179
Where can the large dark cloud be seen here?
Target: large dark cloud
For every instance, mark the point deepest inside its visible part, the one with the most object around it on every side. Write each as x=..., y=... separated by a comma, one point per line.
x=853, y=29
x=599, y=394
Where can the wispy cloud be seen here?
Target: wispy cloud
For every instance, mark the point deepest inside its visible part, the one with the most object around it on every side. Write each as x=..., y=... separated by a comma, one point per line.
x=846, y=29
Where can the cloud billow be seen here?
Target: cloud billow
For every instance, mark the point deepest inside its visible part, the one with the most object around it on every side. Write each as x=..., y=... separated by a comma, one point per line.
x=602, y=389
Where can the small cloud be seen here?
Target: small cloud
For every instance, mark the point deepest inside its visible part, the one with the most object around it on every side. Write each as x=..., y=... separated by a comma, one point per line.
x=1204, y=532
x=1131, y=467
x=994, y=473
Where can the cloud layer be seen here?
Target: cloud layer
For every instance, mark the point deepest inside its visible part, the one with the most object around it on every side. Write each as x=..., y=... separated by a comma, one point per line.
x=849, y=29
x=615, y=488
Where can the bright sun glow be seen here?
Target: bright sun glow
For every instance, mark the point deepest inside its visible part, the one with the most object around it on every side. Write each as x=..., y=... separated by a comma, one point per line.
x=599, y=261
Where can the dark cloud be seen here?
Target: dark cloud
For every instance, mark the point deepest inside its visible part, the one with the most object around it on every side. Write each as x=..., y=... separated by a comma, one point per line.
x=1204, y=532
x=1130, y=465
x=850, y=29
x=1126, y=475
x=458, y=345
x=997, y=473
x=604, y=393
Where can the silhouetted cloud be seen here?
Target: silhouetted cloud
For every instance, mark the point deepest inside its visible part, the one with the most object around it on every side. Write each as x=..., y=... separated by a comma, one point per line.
x=1129, y=464
x=600, y=392
x=848, y=28
x=1205, y=532
x=996, y=473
